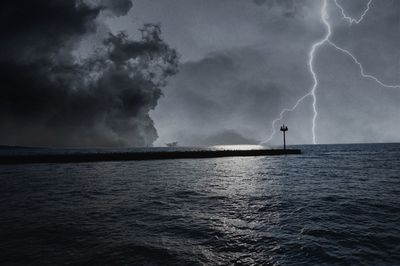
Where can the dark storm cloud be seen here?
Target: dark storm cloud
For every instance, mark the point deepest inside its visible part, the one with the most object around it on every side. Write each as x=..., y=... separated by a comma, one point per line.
x=117, y=7
x=32, y=28
x=50, y=98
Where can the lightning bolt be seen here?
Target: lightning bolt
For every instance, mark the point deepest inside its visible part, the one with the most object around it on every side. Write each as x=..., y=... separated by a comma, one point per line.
x=314, y=48
x=362, y=72
x=281, y=117
x=350, y=19
x=311, y=93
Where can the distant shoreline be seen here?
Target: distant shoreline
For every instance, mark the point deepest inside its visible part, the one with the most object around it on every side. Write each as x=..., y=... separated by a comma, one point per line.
x=138, y=156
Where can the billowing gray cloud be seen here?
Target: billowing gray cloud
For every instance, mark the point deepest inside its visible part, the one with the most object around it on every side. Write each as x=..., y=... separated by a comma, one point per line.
x=111, y=7
x=48, y=97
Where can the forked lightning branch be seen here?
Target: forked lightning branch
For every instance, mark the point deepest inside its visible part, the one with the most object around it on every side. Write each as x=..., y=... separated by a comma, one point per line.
x=327, y=41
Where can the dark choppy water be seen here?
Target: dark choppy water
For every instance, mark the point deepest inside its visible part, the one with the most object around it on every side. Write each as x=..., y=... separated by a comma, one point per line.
x=335, y=204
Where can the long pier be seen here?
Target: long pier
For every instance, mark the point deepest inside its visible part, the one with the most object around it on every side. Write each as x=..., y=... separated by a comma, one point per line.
x=138, y=156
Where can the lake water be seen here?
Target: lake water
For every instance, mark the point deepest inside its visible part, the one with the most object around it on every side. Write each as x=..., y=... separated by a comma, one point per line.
x=334, y=204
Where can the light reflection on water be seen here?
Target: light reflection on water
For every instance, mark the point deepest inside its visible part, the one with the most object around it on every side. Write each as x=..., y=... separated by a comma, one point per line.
x=332, y=205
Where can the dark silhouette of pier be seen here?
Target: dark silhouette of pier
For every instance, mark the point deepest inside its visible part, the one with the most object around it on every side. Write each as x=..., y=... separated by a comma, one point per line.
x=138, y=156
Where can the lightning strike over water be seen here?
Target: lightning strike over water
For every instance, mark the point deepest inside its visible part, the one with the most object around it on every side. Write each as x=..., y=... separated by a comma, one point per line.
x=324, y=18
x=314, y=48
x=281, y=116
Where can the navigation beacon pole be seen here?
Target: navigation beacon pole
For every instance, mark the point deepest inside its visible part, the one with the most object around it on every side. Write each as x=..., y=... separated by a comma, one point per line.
x=284, y=129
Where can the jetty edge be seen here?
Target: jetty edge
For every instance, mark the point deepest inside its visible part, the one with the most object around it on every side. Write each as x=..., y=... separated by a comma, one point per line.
x=138, y=156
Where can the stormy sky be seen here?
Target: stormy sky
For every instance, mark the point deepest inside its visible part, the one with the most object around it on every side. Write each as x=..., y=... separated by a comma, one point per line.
x=207, y=72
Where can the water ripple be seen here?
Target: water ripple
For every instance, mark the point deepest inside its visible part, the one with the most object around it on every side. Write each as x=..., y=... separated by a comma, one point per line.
x=335, y=204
